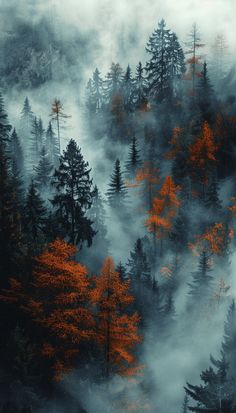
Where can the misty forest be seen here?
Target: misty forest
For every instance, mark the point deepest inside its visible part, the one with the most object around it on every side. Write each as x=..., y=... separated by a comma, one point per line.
x=117, y=216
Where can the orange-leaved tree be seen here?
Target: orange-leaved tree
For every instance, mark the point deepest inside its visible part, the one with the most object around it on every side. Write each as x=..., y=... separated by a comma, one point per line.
x=148, y=177
x=164, y=208
x=202, y=155
x=57, y=300
x=215, y=240
x=175, y=143
x=117, y=329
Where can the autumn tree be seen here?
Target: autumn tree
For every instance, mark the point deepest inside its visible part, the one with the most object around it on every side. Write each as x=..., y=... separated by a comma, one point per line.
x=57, y=301
x=148, y=178
x=164, y=208
x=58, y=116
x=74, y=195
x=117, y=330
x=202, y=156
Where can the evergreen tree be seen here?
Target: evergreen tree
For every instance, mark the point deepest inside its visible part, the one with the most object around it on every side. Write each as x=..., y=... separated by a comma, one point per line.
x=16, y=151
x=97, y=91
x=179, y=234
x=25, y=133
x=37, y=139
x=140, y=87
x=194, y=44
x=139, y=269
x=43, y=172
x=35, y=214
x=128, y=90
x=52, y=145
x=58, y=116
x=74, y=195
x=185, y=404
x=5, y=127
x=121, y=269
x=212, y=200
x=117, y=190
x=113, y=82
x=134, y=162
x=205, y=94
x=166, y=63
x=217, y=391
x=200, y=287
x=229, y=343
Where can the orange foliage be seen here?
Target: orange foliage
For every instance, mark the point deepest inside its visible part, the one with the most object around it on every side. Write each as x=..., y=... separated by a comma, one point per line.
x=117, y=331
x=57, y=301
x=164, y=208
x=214, y=240
x=202, y=153
x=175, y=143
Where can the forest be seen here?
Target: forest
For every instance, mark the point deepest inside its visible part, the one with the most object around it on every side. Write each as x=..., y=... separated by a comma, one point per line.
x=117, y=287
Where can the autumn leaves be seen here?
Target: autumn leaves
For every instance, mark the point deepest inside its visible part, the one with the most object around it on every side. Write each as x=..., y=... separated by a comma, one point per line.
x=72, y=309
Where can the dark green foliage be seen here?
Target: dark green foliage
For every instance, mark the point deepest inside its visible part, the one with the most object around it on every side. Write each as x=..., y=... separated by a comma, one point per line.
x=121, y=269
x=127, y=85
x=16, y=151
x=140, y=87
x=117, y=191
x=134, y=161
x=217, y=391
x=166, y=64
x=52, y=145
x=44, y=171
x=73, y=196
x=5, y=127
x=229, y=343
x=200, y=287
x=35, y=214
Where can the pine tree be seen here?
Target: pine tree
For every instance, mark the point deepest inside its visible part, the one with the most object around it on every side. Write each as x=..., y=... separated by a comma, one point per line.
x=139, y=268
x=217, y=391
x=179, y=234
x=117, y=191
x=5, y=127
x=200, y=287
x=52, y=146
x=58, y=116
x=205, y=94
x=34, y=220
x=229, y=343
x=166, y=63
x=35, y=142
x=113, y=82
x=185, y=404
x=74, y=195
x=10, y=220
x=97, y=91
x=194, y=44
x=128, y=90
x=212, y=200
x=117, y=331
x=25, y=133
x=121, y=269
x=134, y=161
x=16, y=151
x=43, y=172
x=140, y=88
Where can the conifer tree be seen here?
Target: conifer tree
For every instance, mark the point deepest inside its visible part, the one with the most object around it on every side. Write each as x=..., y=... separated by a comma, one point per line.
x=121, y=269
x=134, y=161
x=117, y=190
x=138, y=266
x=212, y=200
x=166, y=63
x=52, y=145
x=140, y=88
x=113, y=82
x=229, y=343
x=58, y=116
x=200, y=287
x=35, y=214
x=44, y=171
x=205, y=94
x=97, y=91
x=193, y=45
x=16, y=151
x=5, y=127
x=117, y=330
x=74, y=195
x=128, y=90
x=25, y=130
x=216, y=394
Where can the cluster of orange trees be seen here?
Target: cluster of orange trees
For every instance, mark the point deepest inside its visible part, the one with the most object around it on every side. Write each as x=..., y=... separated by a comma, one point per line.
x=73, y=309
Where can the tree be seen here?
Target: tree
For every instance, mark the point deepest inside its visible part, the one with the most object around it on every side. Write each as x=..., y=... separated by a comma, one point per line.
x=52, y=146
x=57, y=302
x=193, y=44
x=117, y=331
x=202, y=156
x=229, y=343
x=166, y=63
x=185, y=404
x=113, y=82
x=16, y=151
x=140, y=88
x=212, y=200
x=58, y=116
x=128, y=90
x=117, y=191
x=201, y=285
x=37, y=140
x=34, y=219
x=43, y=172
x=217, y=391
x=148, y=178
x=219, y=50
x=205, y=94
x=139, y=268
x=134, y=161
x=25, y=130
x=73, y=196
x=164, y=209
x=5, y=127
